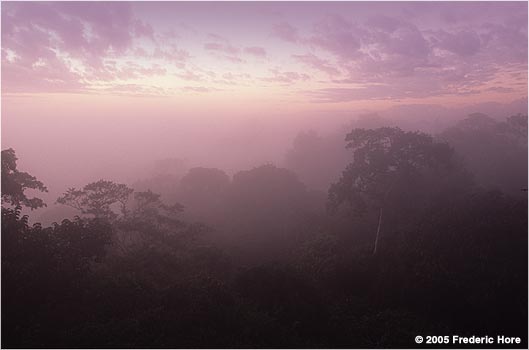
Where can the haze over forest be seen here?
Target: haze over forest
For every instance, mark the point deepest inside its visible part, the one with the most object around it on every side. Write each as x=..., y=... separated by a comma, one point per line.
x=336, y=150
x=116, y=87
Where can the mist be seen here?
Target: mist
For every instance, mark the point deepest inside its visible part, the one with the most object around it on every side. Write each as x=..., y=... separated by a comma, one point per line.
x=84, y=144
x=275, y=175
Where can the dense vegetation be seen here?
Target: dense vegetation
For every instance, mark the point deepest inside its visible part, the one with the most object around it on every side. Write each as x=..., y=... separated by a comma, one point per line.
x=419, y=235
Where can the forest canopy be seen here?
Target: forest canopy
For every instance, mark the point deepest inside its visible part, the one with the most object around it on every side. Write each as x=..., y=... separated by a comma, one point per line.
x=412, y=230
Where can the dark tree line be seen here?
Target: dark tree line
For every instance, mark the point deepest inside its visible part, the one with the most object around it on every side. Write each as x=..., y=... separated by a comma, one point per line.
x=407, y=241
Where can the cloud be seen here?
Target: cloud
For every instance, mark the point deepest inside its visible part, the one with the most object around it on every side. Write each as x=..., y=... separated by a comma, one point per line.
x=317, y=63
x=61, y=45
x=255, y=51
x=172, y=54
x=127, y=70
x=420, y=85
x=234, y=79
x=338, y=36
x=143, y=29
x=286, y=77
x=286, y=32
x=49, y=75
x=506, y=43
x=463, y=43
x=418, y=51
x=384, y=23
x=199, y=89
x=395, y=50
x=382, y=46
x=369, y=92
x=336, y=95
x=224, y=48
x=135, y=90
x=393, y=47
x=500, y=89
x=189, y=75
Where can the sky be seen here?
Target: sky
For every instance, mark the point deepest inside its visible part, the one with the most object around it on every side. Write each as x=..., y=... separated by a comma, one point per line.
x=342, y=53
x=89, y=84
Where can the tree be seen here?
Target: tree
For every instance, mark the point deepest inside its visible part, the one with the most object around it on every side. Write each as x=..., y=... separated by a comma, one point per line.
x=97, y=198
x=149, y=207
x=15, y=182
x=203, y=192
x=515, y=127
x=267, y=194
x=496, y=152
x=44, y=272
x=387, y=160
x=204, y=184
x=270, y=205
x=317, y=160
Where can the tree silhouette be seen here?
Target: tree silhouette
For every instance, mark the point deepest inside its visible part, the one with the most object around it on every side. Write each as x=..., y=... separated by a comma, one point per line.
x=385, y=159
x=15, y=182
x=205, y=182
x=495, y=151
x=317, y=160
x=97, y=198
x=149, y=207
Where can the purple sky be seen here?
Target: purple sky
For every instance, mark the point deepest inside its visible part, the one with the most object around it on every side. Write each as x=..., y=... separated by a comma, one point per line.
x=88, y=87
x=315, y=52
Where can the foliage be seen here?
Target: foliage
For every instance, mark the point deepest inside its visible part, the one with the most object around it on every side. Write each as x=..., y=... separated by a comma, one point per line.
x=495, y=151
x=97, y=198
x=43, y=269
x=278, y=271
x=317, y=160
x=267, y=188
x=203, y=191
x=15, y=182
x=384, y=159
x=148, y=206
x=205, y=182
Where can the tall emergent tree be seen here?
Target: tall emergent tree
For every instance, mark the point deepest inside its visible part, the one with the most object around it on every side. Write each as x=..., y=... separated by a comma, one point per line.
x=97, y=198
x=389, y=162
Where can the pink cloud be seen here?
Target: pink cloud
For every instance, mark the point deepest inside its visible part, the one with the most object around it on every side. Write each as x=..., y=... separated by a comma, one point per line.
x=317, y=63
x=133, y=70
x=286, y=32
x=337, y=36
x=386, y=49
x=255, y=51
x=39, y=34
x=501, y=89
x=172, y=54
x=463, y=43
x=51, y=75
x=286, y=77
x=224, y=48
x=421, y=49
x=189, y=75
x=506, y=42
x=143, y=29
x=234, y=79
x=200, y=89
x=135, y=90
x=384, y=23
x=370, y=92
x=381, y=50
